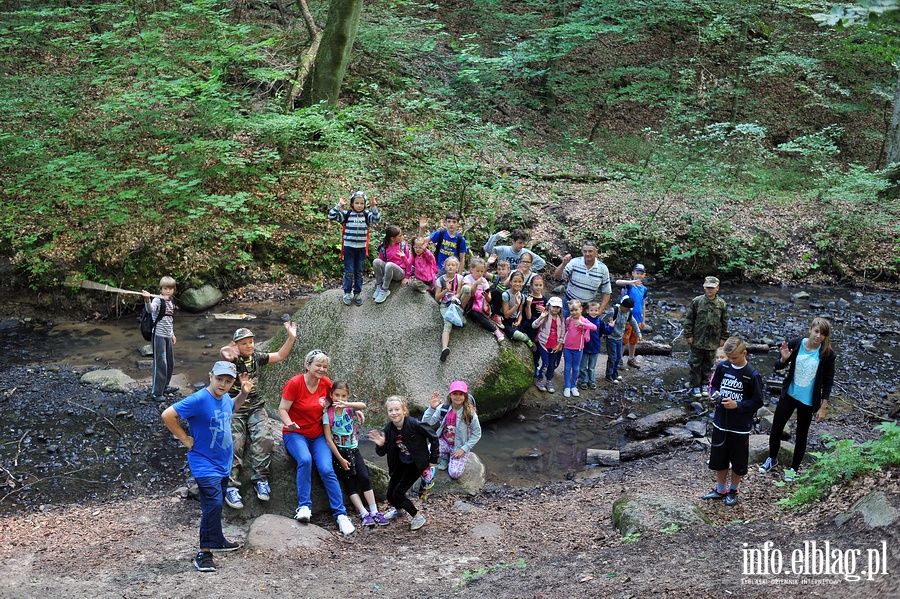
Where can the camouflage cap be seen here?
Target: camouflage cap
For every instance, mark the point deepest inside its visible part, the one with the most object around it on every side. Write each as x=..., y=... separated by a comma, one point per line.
x=242, y=333
x=711, y=282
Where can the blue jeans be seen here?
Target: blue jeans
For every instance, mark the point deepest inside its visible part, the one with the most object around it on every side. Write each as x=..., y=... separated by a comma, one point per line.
x=212, y=493
x=354, y=262
x=614, y=349
x=305, y=451
x=549, y=362
x=588, y=363
x=572, y=358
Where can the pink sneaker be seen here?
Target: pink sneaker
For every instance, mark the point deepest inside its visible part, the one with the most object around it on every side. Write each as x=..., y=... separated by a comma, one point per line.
x=499, y=335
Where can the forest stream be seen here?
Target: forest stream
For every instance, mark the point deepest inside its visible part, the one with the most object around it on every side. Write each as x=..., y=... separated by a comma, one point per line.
x=63, y=442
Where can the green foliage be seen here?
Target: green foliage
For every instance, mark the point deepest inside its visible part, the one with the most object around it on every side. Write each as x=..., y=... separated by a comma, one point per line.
x=632, y=537
x=844, y=461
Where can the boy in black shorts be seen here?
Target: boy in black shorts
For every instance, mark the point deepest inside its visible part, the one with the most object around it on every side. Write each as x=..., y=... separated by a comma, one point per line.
x=737, y=393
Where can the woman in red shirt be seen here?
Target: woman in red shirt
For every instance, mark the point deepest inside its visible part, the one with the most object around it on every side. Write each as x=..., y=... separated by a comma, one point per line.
x=302, y=404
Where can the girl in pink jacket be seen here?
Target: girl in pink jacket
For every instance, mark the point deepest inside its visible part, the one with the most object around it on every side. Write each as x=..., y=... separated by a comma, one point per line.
x=391, y=264
x=422, y=269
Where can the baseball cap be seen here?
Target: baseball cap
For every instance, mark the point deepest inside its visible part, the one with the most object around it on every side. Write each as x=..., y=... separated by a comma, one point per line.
x=639, y=267
x=555, y=301
x=459, y=386
x=242, y=333
x=223, y=367
x=711, y=282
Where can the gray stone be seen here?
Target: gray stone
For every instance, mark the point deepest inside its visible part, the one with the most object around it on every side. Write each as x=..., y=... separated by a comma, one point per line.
x=486, y=530
x=697, y=428
x=468, y=485
x=680, y=432
x=648, y=447
x=110, y=380
x=759, y=450
x=393, y=348
x=603, y=457
x=146, y=350
x=279, y=534
x=875, y=509
x=654, y=423
x=765, y=423
x=800, y=295
x=645, y=512
x=198, y=300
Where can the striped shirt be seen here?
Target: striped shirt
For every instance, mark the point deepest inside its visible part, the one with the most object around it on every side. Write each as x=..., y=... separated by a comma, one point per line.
x=166, y=326
x=356, y=224
x=585, y=282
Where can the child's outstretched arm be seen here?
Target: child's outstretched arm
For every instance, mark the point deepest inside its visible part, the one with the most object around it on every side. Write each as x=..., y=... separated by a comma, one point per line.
x=285, y=349
x=432, y=414
x=337, y=213
x=246, y=387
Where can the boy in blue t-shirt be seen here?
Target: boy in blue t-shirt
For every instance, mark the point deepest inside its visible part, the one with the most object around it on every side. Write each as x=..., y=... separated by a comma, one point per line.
x=448, y=241
x=635, y=289
x=208, y=414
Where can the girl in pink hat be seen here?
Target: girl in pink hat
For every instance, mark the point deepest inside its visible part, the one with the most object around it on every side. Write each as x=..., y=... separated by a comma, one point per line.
x=458, y=428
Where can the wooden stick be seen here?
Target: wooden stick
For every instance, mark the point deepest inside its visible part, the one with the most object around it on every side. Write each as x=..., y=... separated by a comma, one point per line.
x=111, y=289
x=75, y=403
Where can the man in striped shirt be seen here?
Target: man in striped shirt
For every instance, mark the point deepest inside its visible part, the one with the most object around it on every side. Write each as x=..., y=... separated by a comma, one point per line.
x=586, y=276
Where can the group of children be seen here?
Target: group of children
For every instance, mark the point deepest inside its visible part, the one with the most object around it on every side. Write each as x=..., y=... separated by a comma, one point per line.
x=508, y=303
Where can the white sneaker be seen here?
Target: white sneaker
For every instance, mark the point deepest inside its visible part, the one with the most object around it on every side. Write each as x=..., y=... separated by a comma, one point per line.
x=344, y=525
x=394, y=513
x=567, y=392
x=575, y=392
x=303, y=514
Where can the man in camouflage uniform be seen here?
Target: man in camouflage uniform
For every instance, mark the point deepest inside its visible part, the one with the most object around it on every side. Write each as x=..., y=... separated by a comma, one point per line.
x=705, y=329
x=250, y=421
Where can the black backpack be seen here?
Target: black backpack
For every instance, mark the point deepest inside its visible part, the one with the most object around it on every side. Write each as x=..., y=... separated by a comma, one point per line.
x=147, y=323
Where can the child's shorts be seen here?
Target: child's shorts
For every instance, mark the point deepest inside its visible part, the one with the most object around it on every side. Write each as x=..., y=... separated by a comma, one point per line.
x=630, y=336
x=729, y=448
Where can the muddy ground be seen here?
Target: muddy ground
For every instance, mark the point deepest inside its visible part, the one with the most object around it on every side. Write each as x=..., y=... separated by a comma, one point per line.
x=87, y=510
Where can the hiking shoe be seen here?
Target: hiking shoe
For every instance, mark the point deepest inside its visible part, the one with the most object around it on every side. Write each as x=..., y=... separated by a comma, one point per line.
x=303, y=514
x=394, y=514
x=228, y=546
x=789, y=475
x=368, y=520
x=732, y=497
x=539, y=383
x=347, y=299
x=417, y=522
x=204, y=562
x=550, y=388
x=233, y=498
x=357, y=299
x=714, y=495
x=695, y=392
x=582, y=385
x=262, y=490
x=443, y=464
x=444, y=353
x=344, y=525
x=575, y=392
x=567, y=392
x=380, y=520
x=592, y=385
x=633, y=364
x=768, y=465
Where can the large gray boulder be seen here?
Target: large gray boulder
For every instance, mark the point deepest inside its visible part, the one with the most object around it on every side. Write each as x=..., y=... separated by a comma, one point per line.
x=110, y=379
x=200, y=299
x=656, y=422
x=652, y=512
x=393, y=348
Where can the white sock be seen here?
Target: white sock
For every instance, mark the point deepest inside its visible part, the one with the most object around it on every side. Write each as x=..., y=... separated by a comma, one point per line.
x=363, y=513
x=373, y=509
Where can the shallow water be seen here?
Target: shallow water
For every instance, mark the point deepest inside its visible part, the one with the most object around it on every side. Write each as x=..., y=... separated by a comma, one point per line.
x=546, y=438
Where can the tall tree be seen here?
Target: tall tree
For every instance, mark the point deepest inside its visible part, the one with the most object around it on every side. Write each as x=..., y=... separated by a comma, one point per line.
x=334, y=53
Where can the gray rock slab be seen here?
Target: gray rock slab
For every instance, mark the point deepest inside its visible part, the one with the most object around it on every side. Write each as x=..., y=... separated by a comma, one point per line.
x=279, y=534
x=759, y=450
x=875, y=509
x=486, y=530
x=654, y=423
x=200, y=299
x=645, y=512
x=110, y=380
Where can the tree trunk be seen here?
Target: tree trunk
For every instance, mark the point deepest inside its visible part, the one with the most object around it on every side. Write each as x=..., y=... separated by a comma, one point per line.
x=334, y=53
x=893, y=134
x=309, y=57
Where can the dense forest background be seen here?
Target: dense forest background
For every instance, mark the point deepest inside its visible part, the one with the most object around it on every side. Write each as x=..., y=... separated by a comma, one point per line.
x=750, y=138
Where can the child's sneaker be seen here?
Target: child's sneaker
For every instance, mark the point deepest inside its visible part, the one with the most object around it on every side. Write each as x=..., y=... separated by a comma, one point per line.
x=789, y=475
x=357, y=299
x=380, y=520
x=417, y=522
x=714, y=495
x=575, y=392
x=550, y=387
x=344, y=525
x=394, y=514
x=696, y=392
x=347, y=299
x=497, y=320
x=618, y=377
x=444, y=353
x=768, y=465
x=262, y=490
x=633, y=364
x=303, y=514
x=592, y=385
x=376, y=295
x=539, y=383
x=610, y=379
x=732, y=497
x=499, y=335
x=204, y=562
x=233, y=498
x=582, y=385
x=531, y=346
x=228, y=546
x=368, y=520
x=567, y=392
